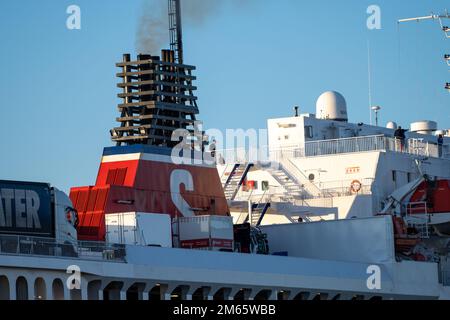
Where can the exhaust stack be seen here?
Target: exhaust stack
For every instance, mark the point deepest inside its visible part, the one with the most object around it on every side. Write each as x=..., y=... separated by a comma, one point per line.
x=158, y=93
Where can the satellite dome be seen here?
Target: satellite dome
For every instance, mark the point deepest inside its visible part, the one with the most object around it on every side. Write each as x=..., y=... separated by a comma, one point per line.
x=331, y=105
x=392, y=125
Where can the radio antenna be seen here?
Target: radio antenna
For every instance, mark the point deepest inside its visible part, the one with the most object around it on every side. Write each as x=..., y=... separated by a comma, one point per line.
x=176, y=30
x=369, y=74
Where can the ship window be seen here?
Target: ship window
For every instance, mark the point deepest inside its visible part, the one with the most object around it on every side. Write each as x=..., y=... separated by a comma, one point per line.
x=250, y=185
x=265, y=185
x=311, y=177
x=394, y=175
x=309, y=132
x=409, y=177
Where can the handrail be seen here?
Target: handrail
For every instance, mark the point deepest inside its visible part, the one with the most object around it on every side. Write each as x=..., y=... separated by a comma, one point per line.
x=245, y=208
x=257, y=204
x=291, y=167
x=262, y=197
x=350, y=138
x=233, y=171
x=225, y=172
x=37, y=246
x=364, y=144
x=415, y=146
x=249, y=199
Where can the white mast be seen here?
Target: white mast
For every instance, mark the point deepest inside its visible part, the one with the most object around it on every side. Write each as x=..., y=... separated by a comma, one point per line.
x=369, y=69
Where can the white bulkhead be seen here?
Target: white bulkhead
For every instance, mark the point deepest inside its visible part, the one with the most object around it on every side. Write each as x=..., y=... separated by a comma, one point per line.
x=137, y=228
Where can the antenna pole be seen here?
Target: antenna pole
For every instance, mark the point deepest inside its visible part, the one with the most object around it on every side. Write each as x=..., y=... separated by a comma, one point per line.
x=446, y=15
x=176, y=29
x=417, y=19
x=369, y=69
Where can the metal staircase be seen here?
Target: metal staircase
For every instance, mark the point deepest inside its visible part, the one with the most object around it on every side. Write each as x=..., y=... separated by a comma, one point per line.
x=292, y=187
x=255, y=211
x=236, y=179
x=258, y=212
x=294, y=181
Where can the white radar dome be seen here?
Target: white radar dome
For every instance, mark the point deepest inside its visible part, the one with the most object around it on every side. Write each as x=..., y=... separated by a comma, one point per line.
x=392, y=125
x=331, y=105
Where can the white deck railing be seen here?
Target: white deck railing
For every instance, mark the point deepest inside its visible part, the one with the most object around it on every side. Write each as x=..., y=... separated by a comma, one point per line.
x=35, y=246
x=335, y=146
x=369, y=143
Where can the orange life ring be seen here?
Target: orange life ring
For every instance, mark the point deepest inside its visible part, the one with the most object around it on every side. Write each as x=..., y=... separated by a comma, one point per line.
x=356, y=186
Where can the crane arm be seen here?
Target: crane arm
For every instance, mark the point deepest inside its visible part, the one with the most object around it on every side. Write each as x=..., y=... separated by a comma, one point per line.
x=401, y=194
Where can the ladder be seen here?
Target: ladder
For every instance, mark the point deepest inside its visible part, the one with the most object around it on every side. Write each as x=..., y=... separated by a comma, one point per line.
x=258, y=212
x=255, y=211
x=417, y=217
x=236, y=179
x=292, y=187
x=296, y=184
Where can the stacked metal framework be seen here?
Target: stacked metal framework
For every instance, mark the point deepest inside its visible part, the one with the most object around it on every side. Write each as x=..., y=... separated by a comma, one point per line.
x=158, y=98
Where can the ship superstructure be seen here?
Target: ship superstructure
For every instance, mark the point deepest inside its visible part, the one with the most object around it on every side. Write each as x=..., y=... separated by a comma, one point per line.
x=335, y=211
x=318, y=160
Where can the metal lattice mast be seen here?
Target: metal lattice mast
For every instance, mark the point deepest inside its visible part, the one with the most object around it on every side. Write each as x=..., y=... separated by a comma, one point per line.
x=176, y=36
x=176, y=45
x=176, y=30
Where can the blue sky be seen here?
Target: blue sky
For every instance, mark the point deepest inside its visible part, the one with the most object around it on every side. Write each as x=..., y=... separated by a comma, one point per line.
x=254, y=62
